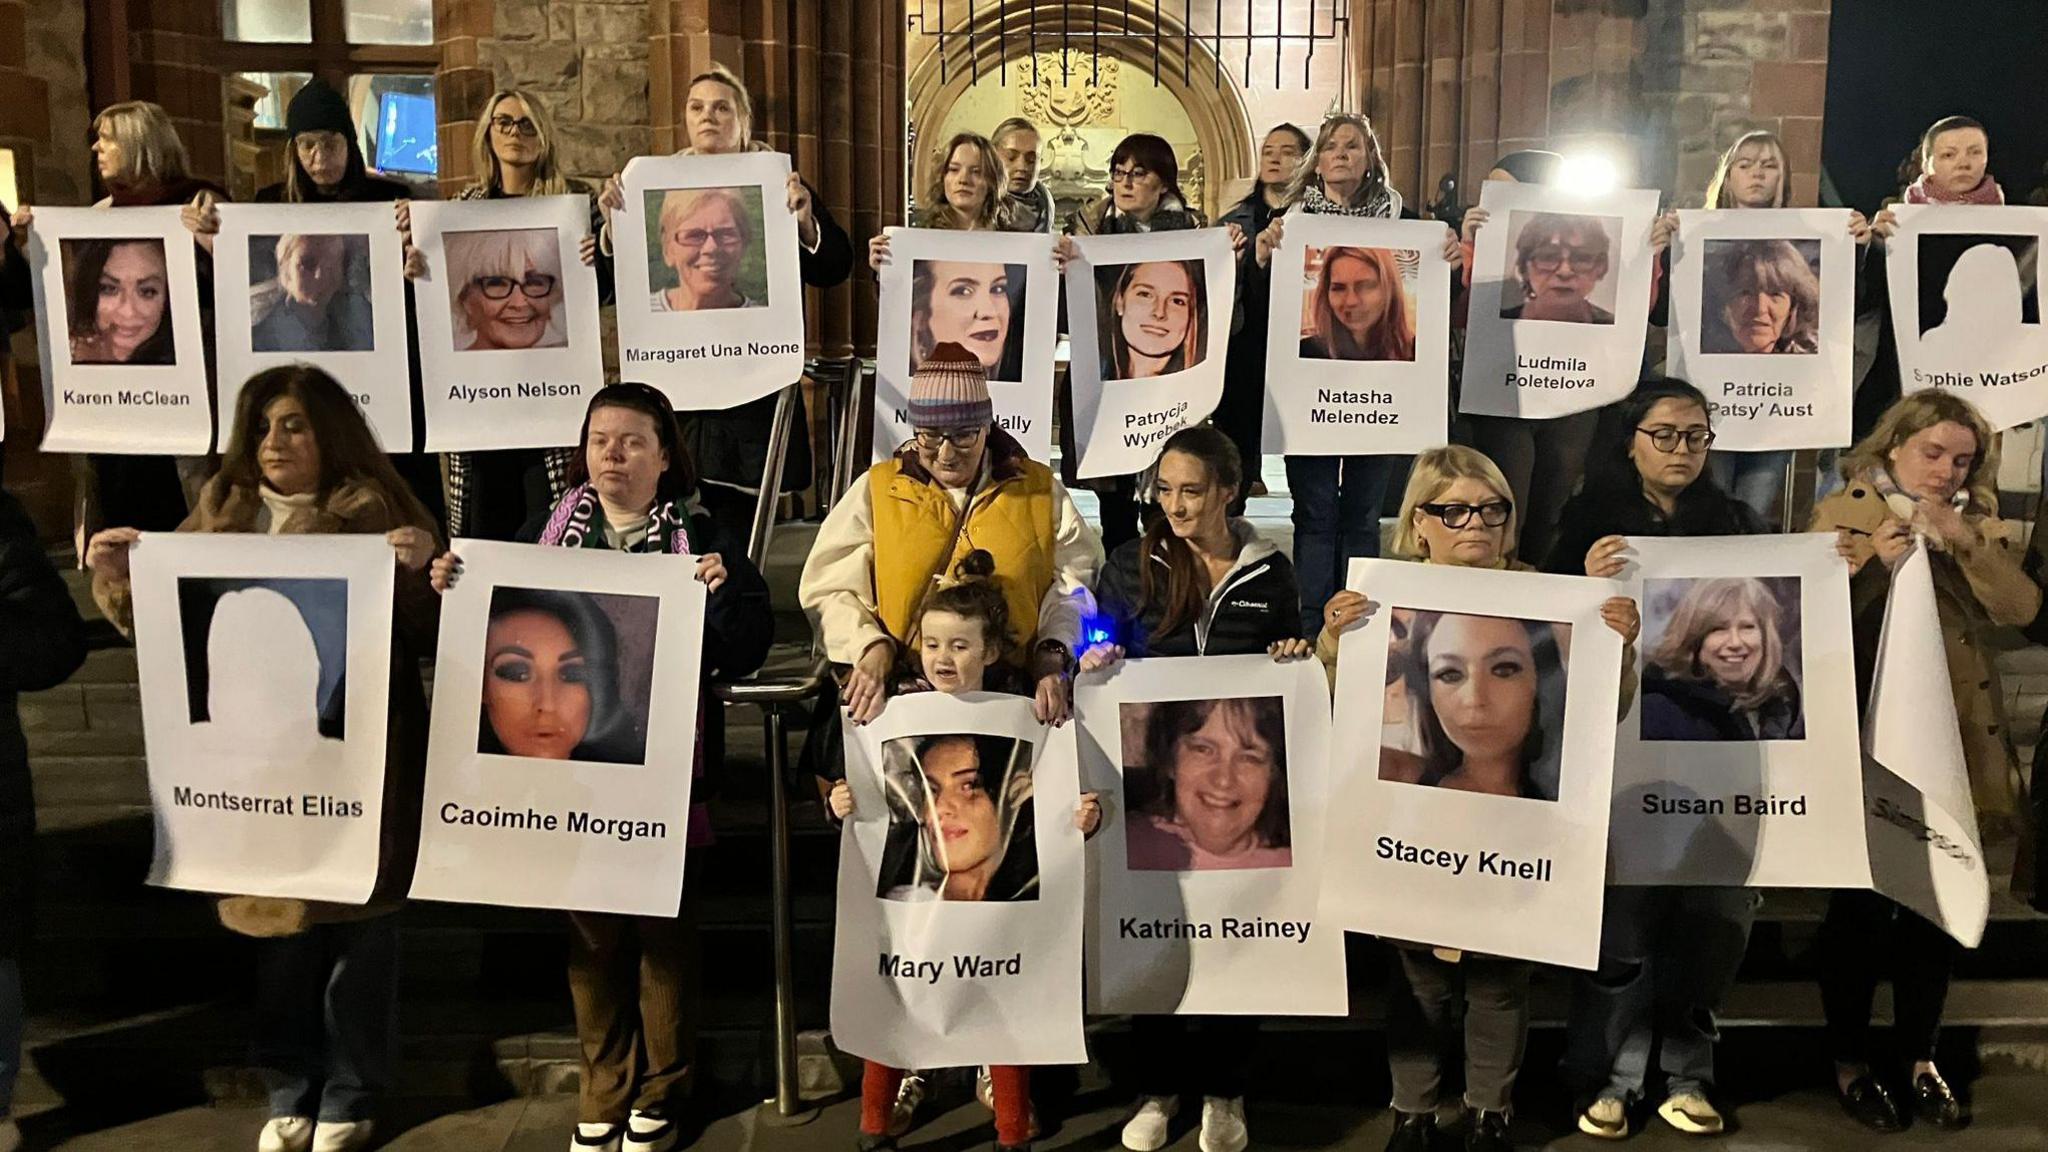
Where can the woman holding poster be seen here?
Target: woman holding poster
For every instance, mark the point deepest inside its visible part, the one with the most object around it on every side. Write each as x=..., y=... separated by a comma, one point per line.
x=1926, y=472
x=301, y=459
x=631, y=978
x=1200, y=583
x=1457, y=511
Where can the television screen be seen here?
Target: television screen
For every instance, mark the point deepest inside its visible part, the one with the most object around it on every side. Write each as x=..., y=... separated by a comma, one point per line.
x=405, y=134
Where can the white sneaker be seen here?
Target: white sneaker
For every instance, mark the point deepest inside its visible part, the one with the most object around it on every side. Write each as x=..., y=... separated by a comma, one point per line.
x=1606, y=1118
x=595, y=1138
x=909, y=1098
x=342, y=1136
x=649, y=1132
x=10, y=1136
x=1223, y=1124
x=1692, y=1113
x=1145, y=1131
x=284, y=1134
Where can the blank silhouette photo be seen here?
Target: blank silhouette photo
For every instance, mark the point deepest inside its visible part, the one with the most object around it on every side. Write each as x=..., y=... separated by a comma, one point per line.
x=1977, y=291
x=266, y=662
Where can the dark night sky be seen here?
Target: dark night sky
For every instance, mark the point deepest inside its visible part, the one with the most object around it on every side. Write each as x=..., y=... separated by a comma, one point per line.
x=1896, y=66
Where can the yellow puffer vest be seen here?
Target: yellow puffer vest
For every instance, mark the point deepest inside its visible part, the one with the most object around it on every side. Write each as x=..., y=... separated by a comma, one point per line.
x=1011, y=518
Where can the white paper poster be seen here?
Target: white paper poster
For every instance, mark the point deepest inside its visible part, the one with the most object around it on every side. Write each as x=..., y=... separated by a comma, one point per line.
x=117, y=294
x=1471, y=808
x=1206, y=871
x=1739, y=763
x=322, y=284
x=1763, y=320
x=960, y=887
x=994, y=294
x=510, y=347
x=553, y=779
x=1924, y=849
x=1150, y=321
x=1358, y=358
x=1965, y=284
x=710, y=296
x=265, y=670
x=1559, y=301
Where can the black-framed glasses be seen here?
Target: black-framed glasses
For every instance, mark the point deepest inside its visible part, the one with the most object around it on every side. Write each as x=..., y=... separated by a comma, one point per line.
x=1667, y=438
x=961, y=439
x=1493, y=513
x=1130, y=175
x=514, y=125
x=534, y=286
x=1549, y=259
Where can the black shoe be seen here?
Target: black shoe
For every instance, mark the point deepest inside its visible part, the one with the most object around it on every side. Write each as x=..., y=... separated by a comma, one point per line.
x=1002, y=1147
x=1489, y=1133
x=1413, y=1132
x=1934, y=1103
x=872, y=1142
x=1869, y=1104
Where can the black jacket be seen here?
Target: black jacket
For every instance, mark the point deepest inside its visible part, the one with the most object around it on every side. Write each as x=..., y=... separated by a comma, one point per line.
x=44, y=642
x=1256, y=603
x=1607, y=509
x=1682, y=708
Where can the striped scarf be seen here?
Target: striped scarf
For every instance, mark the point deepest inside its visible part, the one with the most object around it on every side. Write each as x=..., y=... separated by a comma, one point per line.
x=577, y=523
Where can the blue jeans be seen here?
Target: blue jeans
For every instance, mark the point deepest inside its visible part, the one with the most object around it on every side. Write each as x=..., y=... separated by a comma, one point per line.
x=1668, y=956
x=1336, y=519
x=327, y=1018
x=12, y=1012
x=1755, y=478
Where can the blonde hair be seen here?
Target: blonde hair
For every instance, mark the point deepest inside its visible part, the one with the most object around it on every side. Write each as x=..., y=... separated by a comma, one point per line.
x=742, y=102
x=1305, y=171
x=1719, y=195
x=483, y=160
x=1711, y=604
x=1915, y=413
x=151, y=150
x=503, y=252
x=937, y=211
x=677, y=204
x=1436, y=470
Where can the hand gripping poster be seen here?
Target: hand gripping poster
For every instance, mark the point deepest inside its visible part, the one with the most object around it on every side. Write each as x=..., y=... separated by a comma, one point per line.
x=1209, y=860
x=994, y=294
x=124, y=369
x=264, y=664
x=960, y=887
x=1763, y=320
x=1469, y=805
x=1925, y=852
x=510, y=347
x=1150, y=318
x=1560, y=297
x=1965, y=283
x=321, y=284
x=564, y=730
x=1738, y=763
x=711, y=299
x=1359, y=356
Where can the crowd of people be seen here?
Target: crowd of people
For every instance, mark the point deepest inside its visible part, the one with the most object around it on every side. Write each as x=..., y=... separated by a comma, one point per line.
x=961, y=564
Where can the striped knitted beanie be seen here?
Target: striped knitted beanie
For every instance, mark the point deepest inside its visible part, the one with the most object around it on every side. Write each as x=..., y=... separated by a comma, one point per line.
x=950, y=390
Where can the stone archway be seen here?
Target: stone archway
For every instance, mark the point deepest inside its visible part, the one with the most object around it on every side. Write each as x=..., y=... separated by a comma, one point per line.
x=1080, y=112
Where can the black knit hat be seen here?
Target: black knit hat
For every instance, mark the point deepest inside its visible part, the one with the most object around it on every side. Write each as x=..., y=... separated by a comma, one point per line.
x=319, y=108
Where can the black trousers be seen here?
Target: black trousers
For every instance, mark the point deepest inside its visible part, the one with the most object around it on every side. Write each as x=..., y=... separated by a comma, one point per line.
x=1863, y=935
x=1207, y=1055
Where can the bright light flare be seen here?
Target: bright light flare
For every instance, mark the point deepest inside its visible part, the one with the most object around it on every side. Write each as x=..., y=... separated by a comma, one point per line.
x=1588, y=174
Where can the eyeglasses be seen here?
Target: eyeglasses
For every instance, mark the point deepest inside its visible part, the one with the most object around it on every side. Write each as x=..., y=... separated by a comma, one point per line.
x=699, y=237
x=961, y=439
x=1493, y=513
x=535, y=286
x=1666, y=438
x=508, y=126
x=1130, y=175
x=1548, y=259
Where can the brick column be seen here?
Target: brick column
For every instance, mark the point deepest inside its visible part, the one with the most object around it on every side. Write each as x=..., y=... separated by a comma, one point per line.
x=461, y=83
x=172, y=59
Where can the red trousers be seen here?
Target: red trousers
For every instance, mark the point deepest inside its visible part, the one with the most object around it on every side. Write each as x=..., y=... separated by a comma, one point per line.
x=878, y=1084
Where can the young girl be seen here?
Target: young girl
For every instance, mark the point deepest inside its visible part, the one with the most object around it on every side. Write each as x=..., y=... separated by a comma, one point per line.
x=959, y=645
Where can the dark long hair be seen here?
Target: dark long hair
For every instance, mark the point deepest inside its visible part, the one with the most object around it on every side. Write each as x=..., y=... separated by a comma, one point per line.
x=612, y=736
x=1186, y=589
x=88, y=258
x=1170, y=720
x=905, y=862
x=348, y=449
x=679, y=480
x=299, y=186
x=1702, y=508
x=1440, y=756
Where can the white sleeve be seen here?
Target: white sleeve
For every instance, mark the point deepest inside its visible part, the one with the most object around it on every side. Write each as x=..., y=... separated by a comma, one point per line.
x=837, y=588
x=1077, y=559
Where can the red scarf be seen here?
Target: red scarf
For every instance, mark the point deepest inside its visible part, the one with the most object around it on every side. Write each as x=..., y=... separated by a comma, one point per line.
x=1987, y=191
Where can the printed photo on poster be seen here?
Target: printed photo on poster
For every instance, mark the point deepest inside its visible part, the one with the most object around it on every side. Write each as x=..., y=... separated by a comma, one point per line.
x=979, y=306
x=1977, y=290
x=706, y=249
x=960, y=819
x=1722, y=659
x=1560, y=268
x=505, y=289
x=1205, y=785
x=1475, y=703
x=265, y=659
x=310, y=292
x=117, y=296
x=1153, y=317
x=1359, y=303
x=568, y=675
x=1761, y=298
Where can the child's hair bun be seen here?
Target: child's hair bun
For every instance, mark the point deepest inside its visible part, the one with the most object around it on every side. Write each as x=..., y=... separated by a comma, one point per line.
x=976, y=565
